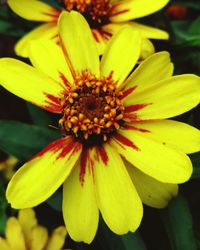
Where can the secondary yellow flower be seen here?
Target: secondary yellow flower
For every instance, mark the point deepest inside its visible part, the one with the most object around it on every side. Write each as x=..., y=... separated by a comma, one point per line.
x=105, y=18
x=7, y=165
x=24, y=233
x=117, y=148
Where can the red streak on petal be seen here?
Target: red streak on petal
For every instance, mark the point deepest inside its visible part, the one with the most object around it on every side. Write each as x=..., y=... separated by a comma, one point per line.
x=114, y=11
x=125, y=141
x=128, y=92
x=53, y=104
x=129, y=127
x=131, y=117
x=86, y=163
x=102, y=153
x=95, y=34
x=63, y=145
x=54, y=15
x=83, y=165
x=67, y=58
x=135, y=107
x=64, y=79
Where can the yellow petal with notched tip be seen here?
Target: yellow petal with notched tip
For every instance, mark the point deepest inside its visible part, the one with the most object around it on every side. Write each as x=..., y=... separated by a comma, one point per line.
x=152, y=192
x=152, y=157
x=119, y=56
x=117, y=197
x=79, y=202
x=168, y=98
x=78, y=43
x=30, y=84
x=131, y=9
x=34, y=10
x=39, y=178
x=45, y=31
x=174, y=134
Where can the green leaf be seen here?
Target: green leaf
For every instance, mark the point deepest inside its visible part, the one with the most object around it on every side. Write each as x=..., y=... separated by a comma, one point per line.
x=129, y=241
x=38, y=115
x=195, y=158
x=24, y=140
x=55, y=201
x=179, y=226
x=3, y=206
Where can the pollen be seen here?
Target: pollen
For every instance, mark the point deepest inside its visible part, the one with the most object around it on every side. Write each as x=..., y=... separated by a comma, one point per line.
x=95, y=11
x=92, y=109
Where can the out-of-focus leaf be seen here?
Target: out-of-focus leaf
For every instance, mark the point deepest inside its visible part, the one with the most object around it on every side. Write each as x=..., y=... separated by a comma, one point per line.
x=4, y=26
x=3, y=206
x=38, y=115
x=129, y=241
x=55, y=201
x=179, y=226
x=24, y=140
x=195, y=158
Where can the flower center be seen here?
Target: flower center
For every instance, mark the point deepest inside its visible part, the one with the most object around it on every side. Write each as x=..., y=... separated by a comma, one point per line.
x=96, y=12
x=92, y=109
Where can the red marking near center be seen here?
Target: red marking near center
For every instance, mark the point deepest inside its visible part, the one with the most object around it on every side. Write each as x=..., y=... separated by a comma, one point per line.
x=64, y=80
x=102, y=153
x=125, y=141
x=53, y=103
x=128, y=92
x=130, y=127
x=83, y=165
x=135, y=107
x=63, y=145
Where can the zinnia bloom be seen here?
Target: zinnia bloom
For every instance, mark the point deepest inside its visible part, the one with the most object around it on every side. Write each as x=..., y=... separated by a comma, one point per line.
x=105, y=18
x=24, y=233
x=117, y=149
x=7, y=165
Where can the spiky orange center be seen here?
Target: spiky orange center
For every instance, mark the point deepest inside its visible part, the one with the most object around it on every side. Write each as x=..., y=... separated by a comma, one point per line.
x=96, y=12
x=92, y=109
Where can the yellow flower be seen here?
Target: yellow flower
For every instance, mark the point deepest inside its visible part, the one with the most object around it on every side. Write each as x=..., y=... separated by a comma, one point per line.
x=24, y=233
x=7, y=165
x=117, y=148
x=105, y=18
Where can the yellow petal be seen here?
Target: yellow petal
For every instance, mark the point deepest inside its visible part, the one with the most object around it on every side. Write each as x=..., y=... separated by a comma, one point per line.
x=79, y=202
x=145, y=31
x=4, y=245
x=155, y=68
x=14, y=234
x=150, y=32
x=131, y=9
x=39, y=178
x=78, y=43
x=101, y=40
x=118, y=200
x=48, y=57
x=155, y=159
x=167, y=98
x=152, y=192
x=38, y=238
x=121, y=56
x=174, y=134
x=57, y=239
x=34, y=10
x=147, y=49
x=30, y=84
x=46, y=31
x=27, y=221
